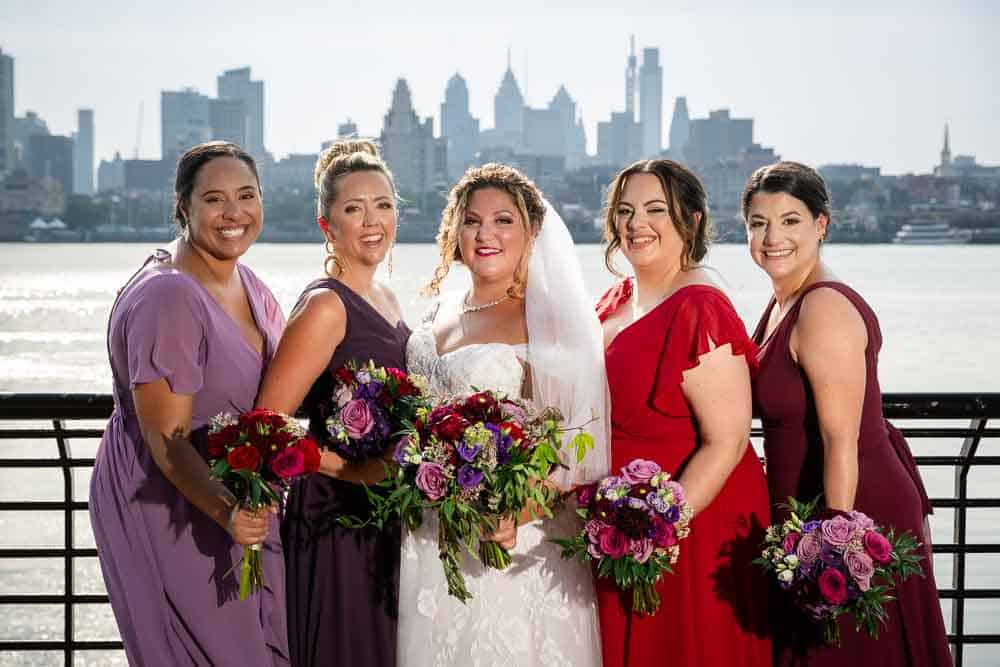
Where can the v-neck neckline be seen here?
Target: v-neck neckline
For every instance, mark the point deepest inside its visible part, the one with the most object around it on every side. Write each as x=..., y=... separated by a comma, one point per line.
x=262, y=352
x=378, y=314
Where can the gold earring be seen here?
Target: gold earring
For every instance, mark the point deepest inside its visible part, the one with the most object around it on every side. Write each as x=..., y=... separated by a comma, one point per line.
x=389, y=266
x=331, y=258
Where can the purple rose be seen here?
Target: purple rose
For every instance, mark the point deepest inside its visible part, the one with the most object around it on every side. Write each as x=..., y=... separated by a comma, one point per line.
x=357, y=418
x=432, y=480
x=863, y=520
x=640, y=471
x=466, y=451
x=641, y=550
x=469, y=477
x=838, y=530
x=613, y=543
x=809, y=548
x=877, y=547
x=861, y=567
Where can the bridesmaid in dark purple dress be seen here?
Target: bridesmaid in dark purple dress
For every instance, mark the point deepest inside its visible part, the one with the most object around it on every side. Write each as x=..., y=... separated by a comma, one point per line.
x=189, y=337
x=342, y=583
x=818, y=397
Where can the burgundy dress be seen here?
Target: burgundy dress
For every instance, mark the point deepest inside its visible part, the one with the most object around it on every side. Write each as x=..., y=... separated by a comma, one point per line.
x=166, y=564
x=889, y=491
x=713, y=608
x=343, y=583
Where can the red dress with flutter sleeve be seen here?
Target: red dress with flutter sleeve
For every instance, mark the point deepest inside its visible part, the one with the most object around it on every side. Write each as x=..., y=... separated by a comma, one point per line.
x=713, y=608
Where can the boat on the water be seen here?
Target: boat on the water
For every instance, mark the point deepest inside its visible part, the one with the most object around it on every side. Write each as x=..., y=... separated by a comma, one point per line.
x=931, y=232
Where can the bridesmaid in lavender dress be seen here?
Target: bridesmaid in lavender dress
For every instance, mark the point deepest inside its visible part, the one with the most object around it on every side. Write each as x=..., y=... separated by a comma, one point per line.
x=342, y=583
x=189, y=337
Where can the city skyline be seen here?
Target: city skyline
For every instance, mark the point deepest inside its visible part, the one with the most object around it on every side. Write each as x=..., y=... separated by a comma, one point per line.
x=825, y=106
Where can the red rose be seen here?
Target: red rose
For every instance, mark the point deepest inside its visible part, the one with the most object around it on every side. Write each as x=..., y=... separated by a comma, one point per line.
x=344, y=375
x=833, y=586
x=288, y=463
x=244, y=458
x=404, y=387
x=514, y=431
x=482, y=405
x=219, y=442
x=612, y=543
x=311, y=454
x=450, y=427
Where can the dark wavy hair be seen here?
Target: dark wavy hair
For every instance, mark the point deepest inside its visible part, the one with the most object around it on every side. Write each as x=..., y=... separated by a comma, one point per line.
x=794, y=179
x=189, y=166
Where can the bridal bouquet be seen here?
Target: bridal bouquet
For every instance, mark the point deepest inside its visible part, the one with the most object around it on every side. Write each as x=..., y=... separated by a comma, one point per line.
x=834, y=566
x=255, y=455
x=633, y=524
x=370, y=403
x=473, y=461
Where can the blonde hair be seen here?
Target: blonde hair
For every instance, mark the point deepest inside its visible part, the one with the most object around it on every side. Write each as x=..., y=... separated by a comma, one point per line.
x=527, y=198
x=345, y=156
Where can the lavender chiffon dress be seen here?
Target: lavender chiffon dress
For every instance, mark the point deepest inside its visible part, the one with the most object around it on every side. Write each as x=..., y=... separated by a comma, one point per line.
x=165, y=563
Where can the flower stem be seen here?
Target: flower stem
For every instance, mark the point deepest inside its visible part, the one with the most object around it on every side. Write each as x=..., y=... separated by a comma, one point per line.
x=493, y=555
x=251, y=572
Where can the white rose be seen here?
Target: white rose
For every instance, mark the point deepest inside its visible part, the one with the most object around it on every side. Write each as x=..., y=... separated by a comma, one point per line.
x=792, y=560
x=786, y=576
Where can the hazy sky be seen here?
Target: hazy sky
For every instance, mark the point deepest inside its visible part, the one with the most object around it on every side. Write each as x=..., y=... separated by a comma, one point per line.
x=849, y=81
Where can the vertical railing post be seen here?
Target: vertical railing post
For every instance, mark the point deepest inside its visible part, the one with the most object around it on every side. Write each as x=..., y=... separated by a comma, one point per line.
x=64, y=455
x=969, y=448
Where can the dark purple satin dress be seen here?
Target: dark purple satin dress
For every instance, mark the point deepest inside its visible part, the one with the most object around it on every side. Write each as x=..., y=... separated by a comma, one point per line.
x=167, y=565
x=890, y=491
x=343, y=583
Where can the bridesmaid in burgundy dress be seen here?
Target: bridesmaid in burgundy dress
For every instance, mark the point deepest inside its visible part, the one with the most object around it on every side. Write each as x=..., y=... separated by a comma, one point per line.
x=342, y=583
x=678, y=361
x=189, y=337
x=818, y=396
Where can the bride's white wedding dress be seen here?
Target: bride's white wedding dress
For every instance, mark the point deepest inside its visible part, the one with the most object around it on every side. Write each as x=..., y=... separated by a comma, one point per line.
x=541, y=609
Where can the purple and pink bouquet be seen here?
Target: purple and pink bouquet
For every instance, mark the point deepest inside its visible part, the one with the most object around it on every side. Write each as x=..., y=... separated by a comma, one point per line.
x=256, y=455
x=472, y=461
x=369, y=404
x=839, y=564
x=634, y=522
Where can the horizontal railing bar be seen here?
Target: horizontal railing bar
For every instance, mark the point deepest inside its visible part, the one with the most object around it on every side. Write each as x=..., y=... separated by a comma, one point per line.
x=55, y=406
x=41, y=505
x=46, y=463
x=970, y=593
x=946, y=432
x=966, y=548
x=53, y=599
x=957, y=460
x=48, y=552
x=974, y=639
x=59, y=646
x=36, y=433
x=968, y=503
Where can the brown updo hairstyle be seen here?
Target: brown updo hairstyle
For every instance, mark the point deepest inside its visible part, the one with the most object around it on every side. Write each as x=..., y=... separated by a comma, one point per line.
x=527, y=198
x=685, y=196
x=345, y=156
x=189, y=166
x=794, y=179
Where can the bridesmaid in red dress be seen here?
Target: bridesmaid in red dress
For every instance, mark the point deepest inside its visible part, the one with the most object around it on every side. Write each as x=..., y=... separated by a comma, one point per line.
x=818, y=396
x=678, y=361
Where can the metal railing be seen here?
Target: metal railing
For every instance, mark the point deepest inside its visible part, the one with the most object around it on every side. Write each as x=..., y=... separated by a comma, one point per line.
x=58, y=411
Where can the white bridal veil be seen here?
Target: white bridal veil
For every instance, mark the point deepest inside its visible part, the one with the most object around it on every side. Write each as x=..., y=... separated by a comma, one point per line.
x=566, y=348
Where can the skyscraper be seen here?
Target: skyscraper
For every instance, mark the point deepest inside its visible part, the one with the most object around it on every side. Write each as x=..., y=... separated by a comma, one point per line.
x=52, y=157
x=458, y=127
x=228, y=118
x=236, y=84
x=680, y=129
x=185, y=121
x=718, y=137
x=630, y=79
x=409, y=146
x=508, y=109
x=6, y=113
x=83, y=153
x=651, y=102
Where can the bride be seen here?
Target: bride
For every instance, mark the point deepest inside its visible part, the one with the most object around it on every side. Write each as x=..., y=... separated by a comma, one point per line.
x=525, y=328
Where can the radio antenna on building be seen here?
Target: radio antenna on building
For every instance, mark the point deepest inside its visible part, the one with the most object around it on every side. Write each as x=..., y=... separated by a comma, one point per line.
x=138, y=133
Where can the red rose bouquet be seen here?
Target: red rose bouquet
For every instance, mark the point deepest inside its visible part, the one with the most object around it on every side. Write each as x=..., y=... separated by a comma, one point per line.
x=840, y=564
x=256, y=455
x=368, y=405
x=472, y=461
x=634, y=522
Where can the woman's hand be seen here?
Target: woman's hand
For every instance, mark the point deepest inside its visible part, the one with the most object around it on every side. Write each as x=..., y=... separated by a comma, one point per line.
x=248, y=526
x=506, y=533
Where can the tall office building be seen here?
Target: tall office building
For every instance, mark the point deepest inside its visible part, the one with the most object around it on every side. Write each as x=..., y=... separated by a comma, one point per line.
x=52, y=157
x=651, y=102
x=619, y=141
x=6, y=113
x=630, y=79
x=718, y=137
x=508, y=106
x=680, y=128
x=83, y=153
x=228, y=118
x=236, y=84
x=25, y=127
x=185, y=121
x=409, y=146
x=458, y=127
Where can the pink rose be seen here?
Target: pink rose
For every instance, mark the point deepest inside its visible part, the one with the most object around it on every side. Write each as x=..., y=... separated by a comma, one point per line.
x=838, y=530
x=593, y=529
x=790, y=542
x=641, y=550
x=612, y=543
x=664, y=535
x=862, y=520
x=357, y=418
x=877, y=547
x=432, y=480
x=809, y=548
x=860, y=566
x=288, y=463
x=833, y=586
x=640, y=471
x=594, y=551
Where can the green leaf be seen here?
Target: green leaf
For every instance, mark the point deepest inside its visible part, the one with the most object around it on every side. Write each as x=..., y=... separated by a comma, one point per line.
x=582, y=442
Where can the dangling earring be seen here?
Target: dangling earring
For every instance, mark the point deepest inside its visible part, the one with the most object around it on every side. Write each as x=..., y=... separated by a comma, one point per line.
x=389, y=264
x=331, y=258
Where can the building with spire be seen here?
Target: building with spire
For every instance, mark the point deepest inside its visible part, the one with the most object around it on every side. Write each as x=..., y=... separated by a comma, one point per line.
x=417, y=160
x=508, y=112
x=630, y=75
x=945, y=169
x=459, y=128
x=651, y=102
x=680, y=129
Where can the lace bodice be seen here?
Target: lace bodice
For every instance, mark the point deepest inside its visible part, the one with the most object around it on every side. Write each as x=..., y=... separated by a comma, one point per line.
x=495, y=366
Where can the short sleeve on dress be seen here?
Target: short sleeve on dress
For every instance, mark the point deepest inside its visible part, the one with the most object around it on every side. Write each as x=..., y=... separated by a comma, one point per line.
x=165, y=334
x=701, y=322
